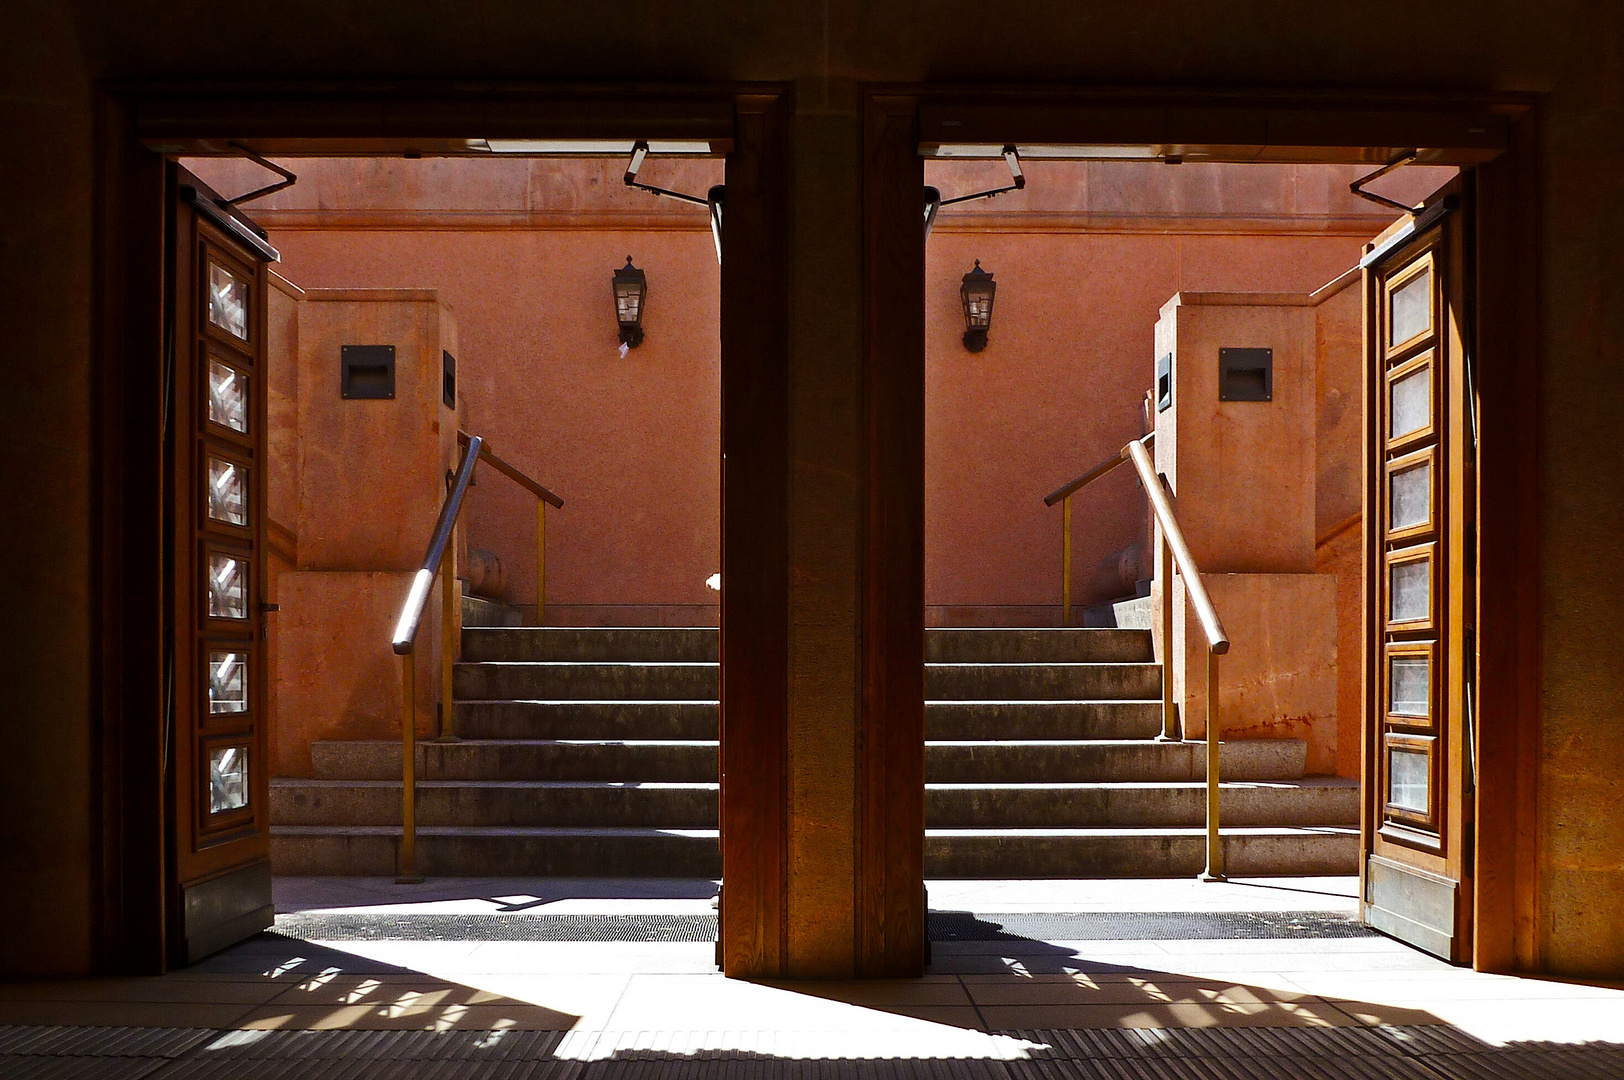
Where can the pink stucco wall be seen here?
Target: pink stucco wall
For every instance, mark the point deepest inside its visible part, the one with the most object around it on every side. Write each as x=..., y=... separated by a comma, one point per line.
x=522, y=252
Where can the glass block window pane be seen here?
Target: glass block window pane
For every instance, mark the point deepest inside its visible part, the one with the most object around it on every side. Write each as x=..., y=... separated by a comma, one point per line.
x=1412, y=308
x=228, y=587
x=228, y=396
x=1409, y=686
x=228, y=681
x=228, y=492
x=1407, y=780
x=1411, y=496
x=1411, y=591
x=1411, y=407
x=228, y=779
x=228, y=301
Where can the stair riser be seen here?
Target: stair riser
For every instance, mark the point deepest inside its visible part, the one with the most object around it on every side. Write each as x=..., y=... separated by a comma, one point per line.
x=1146, y=856
x=1081, y=763
x=1105, y=807
x=595, y=720
x=691, y=720
x=519, y=761
x=996, y=682
x=470, y=806
x=971, y=720
x=592, y=644
x=942, y=646
x=628, y=682
x=1049, y=646
x=501, y=856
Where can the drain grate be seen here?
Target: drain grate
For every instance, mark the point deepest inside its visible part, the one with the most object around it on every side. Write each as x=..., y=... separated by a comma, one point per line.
x=944, y=926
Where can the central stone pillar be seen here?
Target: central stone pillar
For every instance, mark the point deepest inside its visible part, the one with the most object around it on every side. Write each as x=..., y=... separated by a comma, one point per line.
x=823, y=544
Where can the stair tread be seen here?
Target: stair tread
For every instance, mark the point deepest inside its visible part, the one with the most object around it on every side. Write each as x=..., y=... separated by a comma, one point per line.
x=1149, y=830
x=661, y=785
x=496, y=830
x=1334, y=783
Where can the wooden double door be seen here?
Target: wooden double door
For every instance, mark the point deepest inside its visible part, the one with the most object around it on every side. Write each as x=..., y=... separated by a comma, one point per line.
x=1421, y=581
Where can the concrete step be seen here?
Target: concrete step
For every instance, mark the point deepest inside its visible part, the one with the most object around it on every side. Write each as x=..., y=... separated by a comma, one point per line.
x=496, y=802
x=1100, y=761
x=1050, y=682
x=1013, y=720
x=1125, y=853
x=498, y=851
x=966, y=720
x=507, y=642
x=610, y=644
x=667, y=761
x=558, y=680
x=514, y=851
x=1037, y=646
x=981, y=806
x=659, y=720
x=986, y=806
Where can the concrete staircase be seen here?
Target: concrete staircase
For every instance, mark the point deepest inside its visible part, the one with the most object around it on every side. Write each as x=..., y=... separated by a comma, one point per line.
x=593, y=752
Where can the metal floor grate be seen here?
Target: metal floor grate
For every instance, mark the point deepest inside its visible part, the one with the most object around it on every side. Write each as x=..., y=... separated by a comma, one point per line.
x=944, y=926
x=1389, y=1053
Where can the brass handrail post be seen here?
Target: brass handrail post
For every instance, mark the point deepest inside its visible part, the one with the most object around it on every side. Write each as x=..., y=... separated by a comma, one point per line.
x=1164, y=574
x=1065, y=562
x=408, y=772
x=541, y=562
x=450, y=609
x=1215, y=849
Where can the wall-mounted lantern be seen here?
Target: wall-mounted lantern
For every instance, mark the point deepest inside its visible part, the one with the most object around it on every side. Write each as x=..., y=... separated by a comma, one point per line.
x=976, y=293
x=631, y=289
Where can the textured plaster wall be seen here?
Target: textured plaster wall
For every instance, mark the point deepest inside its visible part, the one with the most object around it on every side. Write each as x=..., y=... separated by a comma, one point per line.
x=47, y=804
x=1573, y=50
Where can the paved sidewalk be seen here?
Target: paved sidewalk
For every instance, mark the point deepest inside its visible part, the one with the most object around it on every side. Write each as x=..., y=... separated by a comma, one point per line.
x=1007, y=1006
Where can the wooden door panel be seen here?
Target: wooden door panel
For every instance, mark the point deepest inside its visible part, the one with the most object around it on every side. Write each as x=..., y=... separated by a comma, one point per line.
x=1420, y=529
x=218, y=821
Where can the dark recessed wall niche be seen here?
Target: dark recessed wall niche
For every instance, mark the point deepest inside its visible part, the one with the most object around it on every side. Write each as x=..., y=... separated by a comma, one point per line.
x=368, y=372
x=1245, y=374
x=448, y=379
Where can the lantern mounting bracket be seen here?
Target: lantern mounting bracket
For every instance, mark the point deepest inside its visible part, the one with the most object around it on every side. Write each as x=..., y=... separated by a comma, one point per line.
x=934, y=200
x=639, y=152
x=712, y=201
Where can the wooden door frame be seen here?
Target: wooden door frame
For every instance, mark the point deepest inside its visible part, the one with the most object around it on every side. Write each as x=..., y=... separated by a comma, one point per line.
x=1508, y=368
x=136, y=126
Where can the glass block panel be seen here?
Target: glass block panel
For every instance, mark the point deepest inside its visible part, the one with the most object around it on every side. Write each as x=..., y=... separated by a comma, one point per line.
x=228, y=301
x=228, y=681
x=228, y=492
x=228, y=396
x=228, y=587
x=1407, y=780
x=228, y=779
x=1411, y=403
x=1412, y=308
x=1410, y=590
x=1409, y=686
x=1411, y=496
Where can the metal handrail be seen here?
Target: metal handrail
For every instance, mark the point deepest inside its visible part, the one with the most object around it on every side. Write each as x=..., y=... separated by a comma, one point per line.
x=441, y=561
x=1066, y=491
x=1217, y=639
x=1172, y=550
x=512, y=472
x=411, y=615
x=544, y=499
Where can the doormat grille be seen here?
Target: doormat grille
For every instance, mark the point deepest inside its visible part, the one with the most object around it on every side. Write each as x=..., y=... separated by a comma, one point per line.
x=944, y=926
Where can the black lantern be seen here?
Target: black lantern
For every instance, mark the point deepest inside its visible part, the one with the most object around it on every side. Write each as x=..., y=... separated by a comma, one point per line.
x=976, y=294
x=631, y=289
